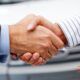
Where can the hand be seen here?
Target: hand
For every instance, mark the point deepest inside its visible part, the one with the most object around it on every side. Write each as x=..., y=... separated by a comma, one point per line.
x=20, y=44
x=55, y=28
x=34, y=59
x=41, y=40
x=38, y=20
x=38, y=41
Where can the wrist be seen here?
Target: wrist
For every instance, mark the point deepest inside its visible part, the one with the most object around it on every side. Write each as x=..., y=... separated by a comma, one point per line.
x=11, y=35
x=60, y=33
x=4, y=42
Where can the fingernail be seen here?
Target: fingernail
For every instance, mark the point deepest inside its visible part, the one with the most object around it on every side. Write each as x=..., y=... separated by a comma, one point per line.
x=29, y=27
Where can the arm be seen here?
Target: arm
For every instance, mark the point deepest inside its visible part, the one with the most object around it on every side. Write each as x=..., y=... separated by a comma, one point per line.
x=71, y=29
x=41, y=40
x=67, y=30
x=4, y=43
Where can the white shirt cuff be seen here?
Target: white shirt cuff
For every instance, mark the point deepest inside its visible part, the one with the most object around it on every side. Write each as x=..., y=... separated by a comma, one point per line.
x=71, y=30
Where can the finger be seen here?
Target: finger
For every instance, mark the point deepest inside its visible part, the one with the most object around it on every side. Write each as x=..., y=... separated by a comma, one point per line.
x=40, y=61
x=34, y=58
x=52, y=50
x=14, y=56
x=27, y=20
x=46, y=56
x=44, y=62
x=39, y=20
x=45, y=23
x=32, y=26
x=56, y=41
x=26, y=57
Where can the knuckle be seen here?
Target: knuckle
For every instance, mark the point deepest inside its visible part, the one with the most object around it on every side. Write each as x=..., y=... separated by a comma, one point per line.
x=46, y=45
x=42, y=51
x=47, y=36
x=49, y=57
x=62, y=45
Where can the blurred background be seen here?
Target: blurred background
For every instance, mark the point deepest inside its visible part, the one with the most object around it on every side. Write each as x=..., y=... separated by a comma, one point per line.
x=62, y=66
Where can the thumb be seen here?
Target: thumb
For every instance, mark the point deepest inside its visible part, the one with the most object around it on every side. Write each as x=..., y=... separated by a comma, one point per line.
x=32, y=26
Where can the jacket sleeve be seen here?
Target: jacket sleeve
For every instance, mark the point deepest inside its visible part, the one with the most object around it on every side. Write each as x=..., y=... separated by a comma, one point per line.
x=4, y=43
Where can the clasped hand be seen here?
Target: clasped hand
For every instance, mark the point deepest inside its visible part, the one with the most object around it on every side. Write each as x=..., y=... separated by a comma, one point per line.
x=33, y=41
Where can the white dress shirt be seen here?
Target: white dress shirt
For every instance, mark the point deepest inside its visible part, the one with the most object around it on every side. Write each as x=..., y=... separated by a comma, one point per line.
x=71, y=29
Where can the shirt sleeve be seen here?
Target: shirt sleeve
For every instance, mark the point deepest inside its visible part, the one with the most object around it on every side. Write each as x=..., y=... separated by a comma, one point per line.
x=71, y=29
x=4, y=43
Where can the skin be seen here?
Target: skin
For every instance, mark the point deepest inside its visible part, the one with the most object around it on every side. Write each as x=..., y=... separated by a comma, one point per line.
x=55, y=28
x=32, y=23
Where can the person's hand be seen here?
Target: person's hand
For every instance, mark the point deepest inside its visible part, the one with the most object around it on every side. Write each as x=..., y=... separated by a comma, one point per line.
x=39, y=20
x=34, y=21
x=54, y=27
x=41, y=40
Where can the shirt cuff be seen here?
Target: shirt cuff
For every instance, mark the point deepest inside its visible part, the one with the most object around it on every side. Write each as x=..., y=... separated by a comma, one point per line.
x=5, y=43
x=70, y=28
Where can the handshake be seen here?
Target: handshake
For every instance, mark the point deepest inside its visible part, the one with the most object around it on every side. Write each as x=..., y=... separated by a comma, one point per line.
x=35, y=40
